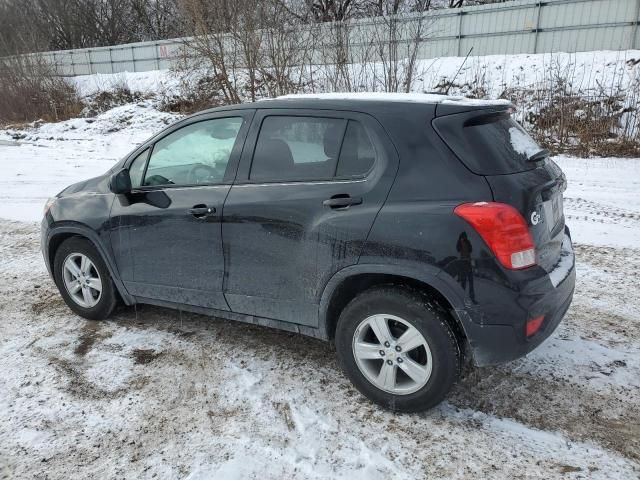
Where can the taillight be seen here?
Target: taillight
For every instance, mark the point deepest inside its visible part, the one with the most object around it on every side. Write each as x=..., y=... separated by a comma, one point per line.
x=503, y=229
x=534, y=325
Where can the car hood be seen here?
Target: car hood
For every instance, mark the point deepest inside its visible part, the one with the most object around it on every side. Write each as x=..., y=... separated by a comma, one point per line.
x=98, y=184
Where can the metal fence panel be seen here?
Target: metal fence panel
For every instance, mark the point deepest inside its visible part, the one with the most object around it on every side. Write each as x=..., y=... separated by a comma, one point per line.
x=519, y=26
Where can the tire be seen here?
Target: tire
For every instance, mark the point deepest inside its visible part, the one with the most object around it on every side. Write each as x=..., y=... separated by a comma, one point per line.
x=434, y=364
x=100, y=304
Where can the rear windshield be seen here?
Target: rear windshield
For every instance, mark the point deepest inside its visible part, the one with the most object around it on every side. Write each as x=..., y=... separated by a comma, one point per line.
x=488, y=143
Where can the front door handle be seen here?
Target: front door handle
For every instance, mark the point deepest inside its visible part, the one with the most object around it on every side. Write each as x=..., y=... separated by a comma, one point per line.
x=342, y=200
x=202, y=211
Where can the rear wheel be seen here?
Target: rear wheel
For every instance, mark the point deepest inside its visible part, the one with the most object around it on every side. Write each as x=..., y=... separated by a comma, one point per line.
x=84, y=280
x=397, y=349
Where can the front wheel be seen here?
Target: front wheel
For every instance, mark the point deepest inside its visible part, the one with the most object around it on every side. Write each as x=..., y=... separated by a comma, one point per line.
x=84, y=280
x=397, y=349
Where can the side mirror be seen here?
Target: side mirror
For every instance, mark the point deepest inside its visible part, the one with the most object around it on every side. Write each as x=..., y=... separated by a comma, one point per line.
x=120, y=182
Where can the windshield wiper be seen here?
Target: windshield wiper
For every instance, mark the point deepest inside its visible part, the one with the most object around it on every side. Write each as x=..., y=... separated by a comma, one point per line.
x=538, y=157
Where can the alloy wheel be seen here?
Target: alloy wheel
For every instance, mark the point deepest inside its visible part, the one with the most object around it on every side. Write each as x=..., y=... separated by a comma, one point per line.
x=392, y=354
x=82, y=280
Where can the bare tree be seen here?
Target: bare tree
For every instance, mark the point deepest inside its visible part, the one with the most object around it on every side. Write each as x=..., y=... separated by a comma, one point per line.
x=209, y=24
x=396, y=39
x=63, y=22
x=112, y=21
x=17, y=33
x=289, y=47
x=379, y=8
x=331, y=10
x=156, y=19
x=70, y=24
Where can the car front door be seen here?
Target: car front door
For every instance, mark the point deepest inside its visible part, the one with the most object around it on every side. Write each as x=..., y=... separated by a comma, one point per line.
x=166, y=234
x=309, y=186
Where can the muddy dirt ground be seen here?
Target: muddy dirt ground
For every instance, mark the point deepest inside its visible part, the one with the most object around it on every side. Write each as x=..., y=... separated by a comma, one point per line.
x=156, y=393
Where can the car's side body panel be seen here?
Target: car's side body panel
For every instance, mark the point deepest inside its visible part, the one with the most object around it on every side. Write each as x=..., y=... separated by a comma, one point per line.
x=282, y=245
x=275, y=255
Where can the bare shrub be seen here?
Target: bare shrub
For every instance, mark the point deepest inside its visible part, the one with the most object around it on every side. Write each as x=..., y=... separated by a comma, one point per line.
x=30, y=90
x=244, y=50
x=567, y=107
x=115, y=95
x=287, y=51
x=205, y=50
x=600, y=118
x=337, y=55
x=474, y=84
x=396, y=41
x=195, y=92
x=577, y=124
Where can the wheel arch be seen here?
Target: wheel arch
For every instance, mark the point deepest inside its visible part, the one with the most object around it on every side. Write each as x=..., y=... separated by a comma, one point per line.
x=351, y=281
x=58, y=234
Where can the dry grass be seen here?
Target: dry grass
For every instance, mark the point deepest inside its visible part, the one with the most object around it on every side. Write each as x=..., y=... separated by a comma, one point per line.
x=30, y=90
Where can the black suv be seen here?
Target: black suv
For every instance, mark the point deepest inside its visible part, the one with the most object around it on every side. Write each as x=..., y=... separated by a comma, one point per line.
x=413, y=231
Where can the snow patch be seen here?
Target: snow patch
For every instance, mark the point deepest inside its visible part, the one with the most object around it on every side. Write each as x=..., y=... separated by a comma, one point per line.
x=566, y=263
x=522, y=143
x=395, y=97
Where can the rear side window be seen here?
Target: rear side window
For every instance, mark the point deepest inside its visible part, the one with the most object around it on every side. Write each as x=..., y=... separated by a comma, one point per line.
x=488, y=143
x=358, y=154
x=292, y=148
x=297, y=148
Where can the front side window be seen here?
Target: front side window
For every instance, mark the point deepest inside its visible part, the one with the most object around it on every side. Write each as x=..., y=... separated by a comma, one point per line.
x=297, y=148
x=195, y=154
x=136, y=169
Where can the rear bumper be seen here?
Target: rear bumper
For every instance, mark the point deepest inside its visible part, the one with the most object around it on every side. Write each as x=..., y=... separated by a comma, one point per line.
x=550, y=295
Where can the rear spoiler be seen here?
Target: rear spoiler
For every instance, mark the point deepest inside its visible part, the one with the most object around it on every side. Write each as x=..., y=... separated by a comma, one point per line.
x=449, y=108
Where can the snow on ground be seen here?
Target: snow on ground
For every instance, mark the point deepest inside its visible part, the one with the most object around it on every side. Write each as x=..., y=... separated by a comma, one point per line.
x=157, y=393
x=602, y=203
x=586, y=71
x=45, y=159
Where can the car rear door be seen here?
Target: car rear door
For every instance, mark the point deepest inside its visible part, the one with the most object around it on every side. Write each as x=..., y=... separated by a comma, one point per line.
x=166, y=233
x=309, y=186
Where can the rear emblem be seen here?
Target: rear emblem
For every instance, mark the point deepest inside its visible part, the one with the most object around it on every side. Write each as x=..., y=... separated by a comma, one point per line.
x=535, y=218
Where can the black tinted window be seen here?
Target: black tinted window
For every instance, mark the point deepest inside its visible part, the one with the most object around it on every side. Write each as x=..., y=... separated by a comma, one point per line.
x=488, y=143
x=297, y=148
x=357, y=155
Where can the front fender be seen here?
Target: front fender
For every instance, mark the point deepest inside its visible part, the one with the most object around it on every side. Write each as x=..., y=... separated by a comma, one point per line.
x=68, y=228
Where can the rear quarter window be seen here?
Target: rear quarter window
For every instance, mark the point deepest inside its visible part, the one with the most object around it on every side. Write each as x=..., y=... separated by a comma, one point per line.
x=488, y=143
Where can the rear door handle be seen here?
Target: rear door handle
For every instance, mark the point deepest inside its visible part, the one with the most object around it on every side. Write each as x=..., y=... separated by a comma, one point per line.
x=342, y=201
x=202, y=211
